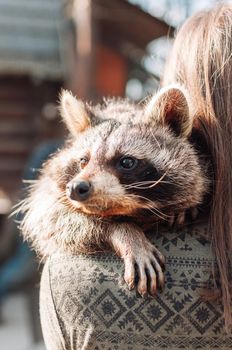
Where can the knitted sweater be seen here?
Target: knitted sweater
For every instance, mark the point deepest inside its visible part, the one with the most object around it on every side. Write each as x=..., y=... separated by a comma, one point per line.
x=84, y=303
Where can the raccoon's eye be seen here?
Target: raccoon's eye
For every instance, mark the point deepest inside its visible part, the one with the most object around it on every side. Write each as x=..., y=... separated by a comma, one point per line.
x=83, y=162
x=128, y=163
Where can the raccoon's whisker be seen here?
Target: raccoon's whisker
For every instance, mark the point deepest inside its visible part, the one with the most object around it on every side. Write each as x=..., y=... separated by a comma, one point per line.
x=29, y=181
x=147, y=182
x=157, y=212
x=18, y=207
x=158, y=181
x=143, y=187
x=150, y=186
x=19, y=204
x=136, y=196
x=152, y=132
x=16, y=211
x=144, y=100
x=150, y=206
x=144, y=183
x=163, y=214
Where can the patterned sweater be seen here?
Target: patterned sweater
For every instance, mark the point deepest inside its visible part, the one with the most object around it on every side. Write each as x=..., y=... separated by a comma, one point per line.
x=84, y=303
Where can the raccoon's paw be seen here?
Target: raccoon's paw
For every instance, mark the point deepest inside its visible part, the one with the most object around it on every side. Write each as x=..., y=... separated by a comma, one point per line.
x=148, y=264
x=179, y=219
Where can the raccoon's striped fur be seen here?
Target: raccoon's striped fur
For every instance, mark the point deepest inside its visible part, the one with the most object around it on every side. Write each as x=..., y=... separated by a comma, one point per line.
x=125, y=165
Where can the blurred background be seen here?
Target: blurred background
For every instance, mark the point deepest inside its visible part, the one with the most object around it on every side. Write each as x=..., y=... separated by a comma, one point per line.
x=95, y=48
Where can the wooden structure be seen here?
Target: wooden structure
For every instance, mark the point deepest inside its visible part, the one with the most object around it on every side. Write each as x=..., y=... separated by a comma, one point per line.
x=89, y=47
x=32, y=69
x=111, y=37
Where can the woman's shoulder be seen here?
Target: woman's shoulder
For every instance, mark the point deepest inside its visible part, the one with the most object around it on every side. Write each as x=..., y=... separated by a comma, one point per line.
x=187, y=250
x=183, y=248
x=90, y=297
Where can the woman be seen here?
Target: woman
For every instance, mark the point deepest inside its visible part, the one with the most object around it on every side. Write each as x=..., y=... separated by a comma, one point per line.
x=84, y=303
x=202, y=60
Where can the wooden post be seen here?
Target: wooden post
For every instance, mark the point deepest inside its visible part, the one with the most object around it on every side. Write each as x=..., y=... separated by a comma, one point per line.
x=81, y=80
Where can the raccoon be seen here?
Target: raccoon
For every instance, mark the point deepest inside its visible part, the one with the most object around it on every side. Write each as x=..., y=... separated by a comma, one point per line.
x=124, y=166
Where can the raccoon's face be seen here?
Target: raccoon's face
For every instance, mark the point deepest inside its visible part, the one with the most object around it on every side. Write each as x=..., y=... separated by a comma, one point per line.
x=119, y=168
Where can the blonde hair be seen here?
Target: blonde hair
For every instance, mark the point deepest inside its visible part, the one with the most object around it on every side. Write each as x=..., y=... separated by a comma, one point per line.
x=201, y=59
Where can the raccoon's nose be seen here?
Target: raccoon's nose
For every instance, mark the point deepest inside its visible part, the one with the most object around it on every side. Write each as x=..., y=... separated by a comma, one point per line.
x=79, y=190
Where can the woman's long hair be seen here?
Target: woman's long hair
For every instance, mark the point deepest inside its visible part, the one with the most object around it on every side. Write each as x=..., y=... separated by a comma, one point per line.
x=201, y=60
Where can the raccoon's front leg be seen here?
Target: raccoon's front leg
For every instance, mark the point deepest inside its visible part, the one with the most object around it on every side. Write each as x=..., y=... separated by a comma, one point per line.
x=130, y=243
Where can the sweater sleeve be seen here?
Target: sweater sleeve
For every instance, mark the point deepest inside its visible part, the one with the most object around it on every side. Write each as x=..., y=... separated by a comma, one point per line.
x=85, y=304
x=51, y=327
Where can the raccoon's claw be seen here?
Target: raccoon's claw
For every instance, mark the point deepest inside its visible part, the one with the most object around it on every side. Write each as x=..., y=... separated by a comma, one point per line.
x=178, y=219
x=148, y=263
x=129, y=274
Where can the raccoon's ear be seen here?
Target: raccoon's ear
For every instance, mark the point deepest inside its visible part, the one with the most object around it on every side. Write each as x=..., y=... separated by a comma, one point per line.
x=170, y=107
x=74, y=113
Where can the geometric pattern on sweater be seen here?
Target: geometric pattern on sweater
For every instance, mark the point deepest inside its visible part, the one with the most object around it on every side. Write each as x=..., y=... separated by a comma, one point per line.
x=95, y=310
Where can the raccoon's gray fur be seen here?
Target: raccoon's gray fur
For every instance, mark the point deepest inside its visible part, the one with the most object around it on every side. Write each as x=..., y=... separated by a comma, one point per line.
x=124, y=166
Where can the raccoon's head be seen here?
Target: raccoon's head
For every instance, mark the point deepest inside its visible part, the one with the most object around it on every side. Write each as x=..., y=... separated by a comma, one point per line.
x=142, y=159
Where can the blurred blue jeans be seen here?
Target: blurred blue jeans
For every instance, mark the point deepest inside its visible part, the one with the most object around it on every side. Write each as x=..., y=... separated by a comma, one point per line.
x=21, y=267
